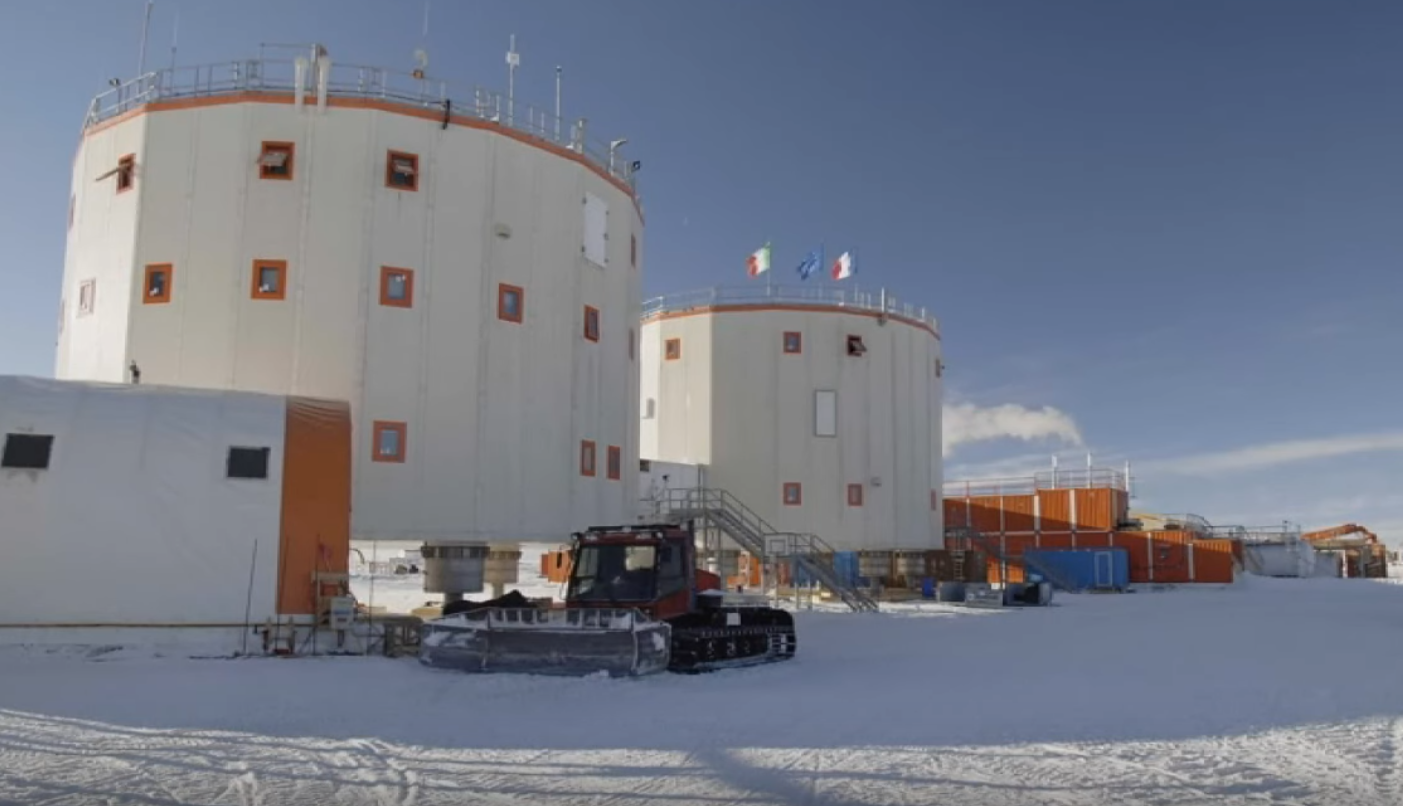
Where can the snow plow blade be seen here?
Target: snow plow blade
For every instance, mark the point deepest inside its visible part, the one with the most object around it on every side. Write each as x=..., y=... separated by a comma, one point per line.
x=574, y=642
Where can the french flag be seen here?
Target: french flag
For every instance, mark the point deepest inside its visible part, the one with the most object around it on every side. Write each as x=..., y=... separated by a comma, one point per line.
x=843, y=266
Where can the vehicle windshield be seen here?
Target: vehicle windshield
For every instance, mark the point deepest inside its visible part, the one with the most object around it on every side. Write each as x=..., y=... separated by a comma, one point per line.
x=614, y=573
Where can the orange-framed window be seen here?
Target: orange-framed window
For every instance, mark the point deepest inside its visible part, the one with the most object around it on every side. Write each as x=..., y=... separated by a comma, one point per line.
x=275, y=160
x=793, y=342
x=401, y=170
x=269, y=279
x=87, y=297
x=586, y=457
x=854, y=495
x=614, y=463
x=672, y=349
x=511, y=303
x=388, y=438
x=591, y=323
x=396, y=287
x=156, y=285
x=793, y=494
x=126, y=172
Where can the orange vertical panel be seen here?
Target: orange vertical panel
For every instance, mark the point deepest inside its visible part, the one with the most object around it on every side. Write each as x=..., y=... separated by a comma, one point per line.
x=1213, y=560
x=1171, y=556
x=1095, y=509
x=986, y=512
x=1055, y=510
x=1097, y=540
x=1137, y=549
x=956, y=513
x=316, y=505
x=1018, y=513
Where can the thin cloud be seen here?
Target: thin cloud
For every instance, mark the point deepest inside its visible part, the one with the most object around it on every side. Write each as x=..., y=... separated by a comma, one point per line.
x=1257, y=457
x=964, y=423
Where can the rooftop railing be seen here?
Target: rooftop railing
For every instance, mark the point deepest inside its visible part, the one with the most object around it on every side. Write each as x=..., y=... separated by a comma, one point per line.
x=759, y=293
x=281, y=76
x=1060, y=479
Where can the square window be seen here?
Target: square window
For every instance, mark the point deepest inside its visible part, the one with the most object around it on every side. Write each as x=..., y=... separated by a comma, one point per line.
x=793, y=494
x=793, y=342
x=591, y=323
x=396, y=287
x=401, y=171
x=511, y=303
x=87, y=297
x=126, y=173
x=269, y=279
x=27, y=451
x=855, y=346
x=586, y=457
x=247, y=463
x=854, y=495
x=275, y=161
x=672, y=349
x=389, y=441
x=156, y=288
x=615, y=462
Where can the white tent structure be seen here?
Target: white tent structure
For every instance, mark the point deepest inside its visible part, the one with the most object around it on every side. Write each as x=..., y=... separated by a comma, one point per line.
x=128, y=506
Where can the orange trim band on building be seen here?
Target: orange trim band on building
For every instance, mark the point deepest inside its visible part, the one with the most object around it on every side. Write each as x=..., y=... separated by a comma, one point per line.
x=316, y=501
x=712, y=309
x=177, y=104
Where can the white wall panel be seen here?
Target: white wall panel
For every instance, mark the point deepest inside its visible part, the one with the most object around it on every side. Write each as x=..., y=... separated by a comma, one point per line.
x=134, y=521
x=495, y=410
x=736, y=402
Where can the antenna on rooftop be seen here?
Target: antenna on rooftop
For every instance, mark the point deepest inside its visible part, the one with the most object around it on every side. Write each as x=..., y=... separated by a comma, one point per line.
x=145, y=32
x=513, y=61
x=175, y=35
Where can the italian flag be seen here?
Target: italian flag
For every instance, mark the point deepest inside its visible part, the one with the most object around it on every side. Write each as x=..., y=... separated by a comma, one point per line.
x=843, y=266
x=759, y=261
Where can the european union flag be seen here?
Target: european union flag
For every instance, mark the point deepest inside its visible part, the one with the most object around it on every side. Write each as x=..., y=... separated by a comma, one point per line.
x=810, y=264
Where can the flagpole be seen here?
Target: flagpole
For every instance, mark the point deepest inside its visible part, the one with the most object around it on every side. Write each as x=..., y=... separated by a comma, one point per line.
x=770, y=272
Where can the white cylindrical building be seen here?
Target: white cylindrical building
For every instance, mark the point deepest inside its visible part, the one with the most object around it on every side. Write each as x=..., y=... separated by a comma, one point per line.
x=466, y=279
x=819, y=409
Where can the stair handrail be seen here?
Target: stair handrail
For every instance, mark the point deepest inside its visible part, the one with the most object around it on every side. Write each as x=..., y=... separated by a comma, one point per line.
x=992, y=548
x=712, y=499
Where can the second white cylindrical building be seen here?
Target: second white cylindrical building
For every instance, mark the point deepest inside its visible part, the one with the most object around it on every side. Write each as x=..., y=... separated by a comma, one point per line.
x=822, y=414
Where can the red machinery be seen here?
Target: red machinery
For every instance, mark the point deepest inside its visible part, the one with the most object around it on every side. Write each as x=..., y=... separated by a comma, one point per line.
x=635, y=604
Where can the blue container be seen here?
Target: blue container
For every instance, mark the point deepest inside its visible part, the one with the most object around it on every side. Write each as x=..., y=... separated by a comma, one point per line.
x=927, y=588
x=845, y=565
x=1080, y=569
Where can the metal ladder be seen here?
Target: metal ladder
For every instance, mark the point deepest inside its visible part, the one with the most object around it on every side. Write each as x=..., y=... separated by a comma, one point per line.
x=991, y=547
x=805, y=552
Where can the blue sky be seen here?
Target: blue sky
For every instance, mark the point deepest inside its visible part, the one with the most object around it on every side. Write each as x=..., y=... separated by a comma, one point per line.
x=1164, y=232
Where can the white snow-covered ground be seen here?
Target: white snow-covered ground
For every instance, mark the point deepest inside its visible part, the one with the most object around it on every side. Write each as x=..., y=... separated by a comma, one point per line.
x=1270, y=691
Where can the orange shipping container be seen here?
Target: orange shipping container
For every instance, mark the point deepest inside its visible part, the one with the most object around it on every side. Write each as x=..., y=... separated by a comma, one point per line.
x=986, y=513
x=1212, y=560
x=1054, y=510
x=956, y=513
x=1093, y=540
x=1097, y=509
x=1137, y=549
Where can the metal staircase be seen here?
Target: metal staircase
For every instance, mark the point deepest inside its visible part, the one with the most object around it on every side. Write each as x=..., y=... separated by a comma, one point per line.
x=992, y=547
x=732, y=517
